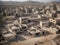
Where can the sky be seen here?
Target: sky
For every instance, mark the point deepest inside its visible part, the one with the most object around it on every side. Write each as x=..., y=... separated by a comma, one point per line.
x=32, y=0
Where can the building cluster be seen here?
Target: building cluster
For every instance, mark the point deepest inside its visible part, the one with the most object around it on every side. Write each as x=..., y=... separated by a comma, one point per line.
x=34, y=20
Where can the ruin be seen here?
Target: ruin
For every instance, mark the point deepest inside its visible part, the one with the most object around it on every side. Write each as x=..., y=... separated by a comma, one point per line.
x=29, y=21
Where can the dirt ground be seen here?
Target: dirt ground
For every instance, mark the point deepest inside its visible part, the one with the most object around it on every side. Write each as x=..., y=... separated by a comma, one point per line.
x=47, y=40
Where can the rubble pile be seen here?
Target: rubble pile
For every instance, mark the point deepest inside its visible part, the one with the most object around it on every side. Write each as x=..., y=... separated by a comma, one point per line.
x=30, y=21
